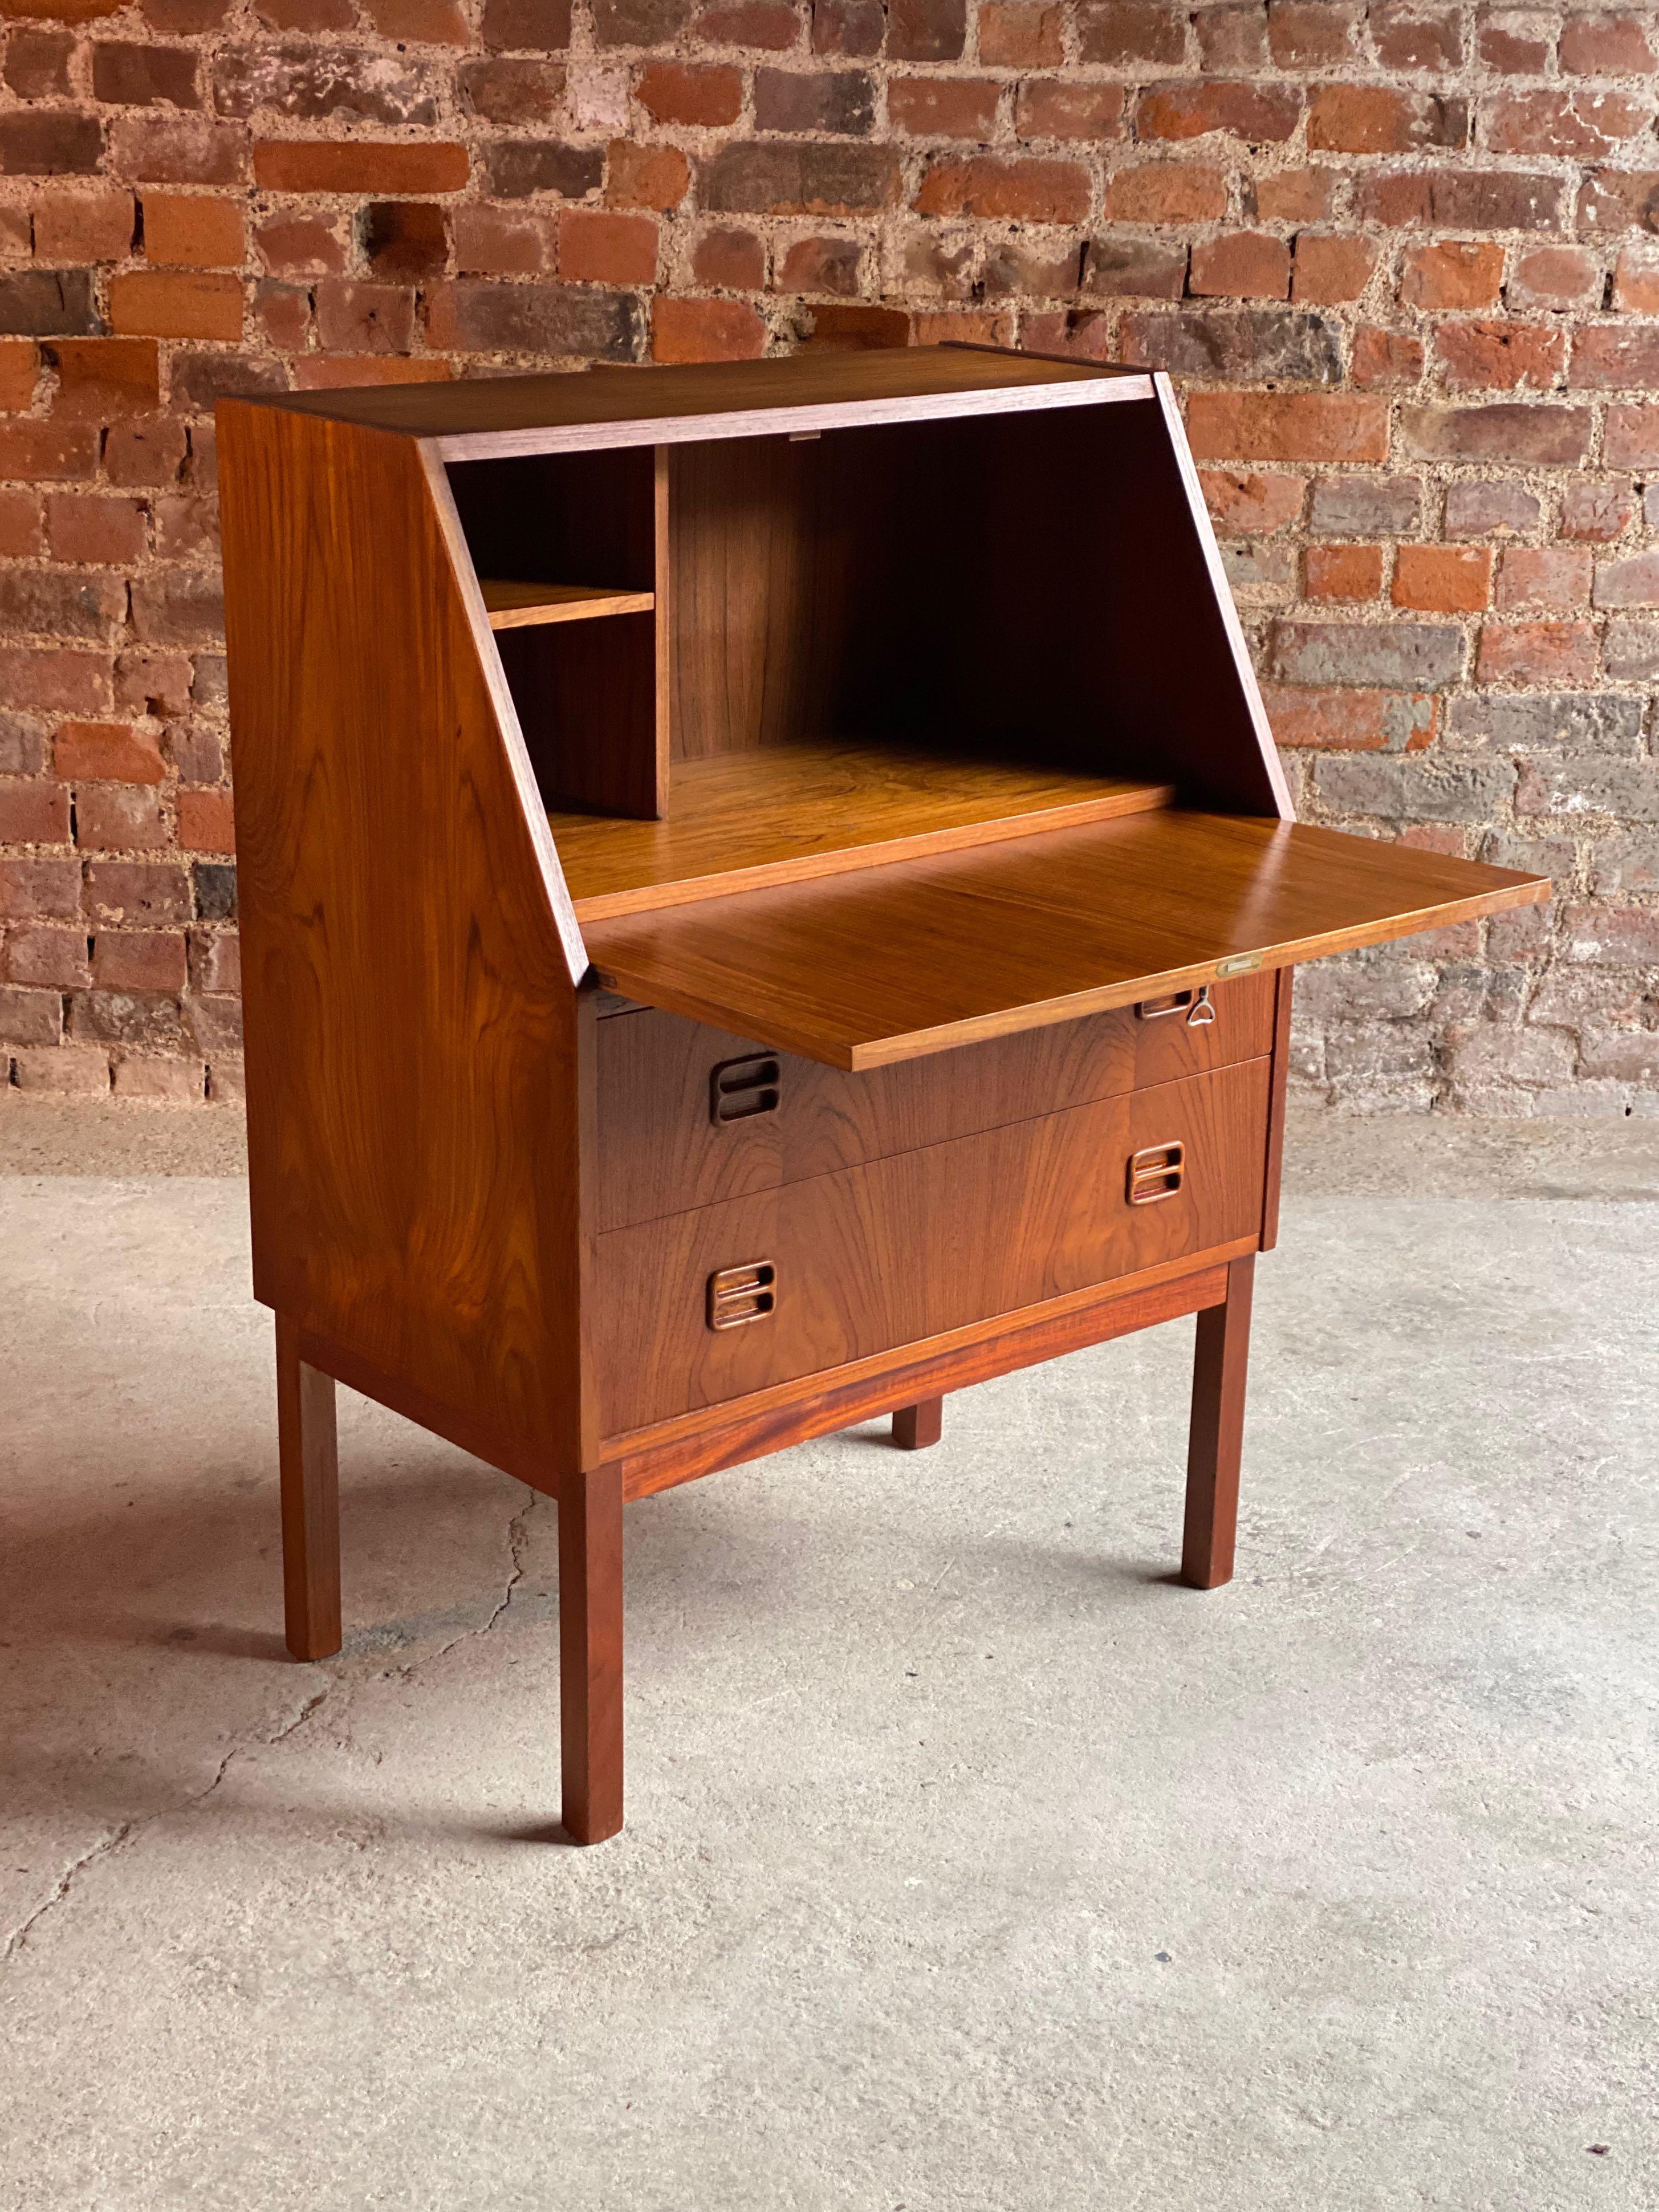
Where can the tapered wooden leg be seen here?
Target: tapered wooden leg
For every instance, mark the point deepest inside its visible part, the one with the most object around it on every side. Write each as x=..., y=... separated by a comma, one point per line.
x=591, y=1653
x=311, y=1500
x=1217, y=1435
x=915, y=1427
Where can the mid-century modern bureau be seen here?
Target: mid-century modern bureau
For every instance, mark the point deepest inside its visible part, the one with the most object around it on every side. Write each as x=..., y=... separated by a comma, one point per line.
x=766, y=897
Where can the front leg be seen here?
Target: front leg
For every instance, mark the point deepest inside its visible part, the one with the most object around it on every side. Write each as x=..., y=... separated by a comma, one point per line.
x=309, y=1458
x=1216, y=1439
x=591, y=1653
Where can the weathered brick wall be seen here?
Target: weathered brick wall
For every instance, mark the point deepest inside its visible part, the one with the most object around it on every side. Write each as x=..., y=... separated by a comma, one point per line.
x=1402, y=258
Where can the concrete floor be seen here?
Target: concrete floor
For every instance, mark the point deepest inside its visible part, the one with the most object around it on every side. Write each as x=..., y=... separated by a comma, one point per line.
x=971, y=1865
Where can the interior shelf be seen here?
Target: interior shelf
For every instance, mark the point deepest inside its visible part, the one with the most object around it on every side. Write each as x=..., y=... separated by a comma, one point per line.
x=779, y=814
x=522, y=606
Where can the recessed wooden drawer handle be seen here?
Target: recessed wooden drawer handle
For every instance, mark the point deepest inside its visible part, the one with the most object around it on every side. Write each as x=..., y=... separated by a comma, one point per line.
x=1198, y=1006
x=745, y=1293
x=1156, y=1172
x=739, y=1089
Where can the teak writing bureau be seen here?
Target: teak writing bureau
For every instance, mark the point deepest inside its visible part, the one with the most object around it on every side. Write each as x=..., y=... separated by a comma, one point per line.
x=766, y=897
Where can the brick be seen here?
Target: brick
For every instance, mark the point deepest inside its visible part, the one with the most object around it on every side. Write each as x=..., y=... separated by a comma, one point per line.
x=1620, y=199
x=599, y=248
x=706, y=330
x=359, y=317
x=1127, y=33
x=1635, y=280
x=733, y=260
x=1442, y=578
x=47, y=303
x=178, y=606
x=304, y=244
x=33, y=810
x=22, y=744
x=1053, y=108
x=849, y=26
x=1474, y=356
x=1313, y=33
x=38, y=64
x=166, y=304
x=20, y=533
x=1351, y=720
x=120, y=818
x=842, y=100
x=1018, y=189
x=1331, y=271
x=1233, y=37
x=1242, y=503
x=421, y=22
x=48, y=958
x=1462, y=199
x=65, y=1071
x=216, y=960
x=1385, y=359
x=1112, y=269
x=93, y=751
x=1260, y=114
x=1020, y=33
x=1255, y=341
x=314, y=165
x=1495, y=508
x=1342, y=572
x=858, y=328
x=1294, y=195
x=494, y=242
x=1632, y=582
x=71, y=226
x=957, y=107
x=158, y=1076
x=405, y=237
x=307, y=84
x=144, y=894
x=59, y=605
x=1501, y=431
x=1622, y=863
x=1537, y=652
x=205, y=822
x=185, y=231
x=526, y=25
x=516, y=168
x=106, y=378
x=1556, y=277
x=115, y=1017
x=1166, y=192
x=131, y=73
x=1391, y=656
x=39, y=887
x=951, y=326
x=1616, y=44
x=1630, y=438
x=1278, y=426
x=801, y=178
x=822, y=265
x=1362, y=119
x=534, y=318
x=1616, y=936
x=1407, y=35
x=1543, y=576
x=1453, y=273
x=83, y=527
x=1597, y=512
x=771, y=28
x=30, y=1018
x=55, y=681
x=1242, y=264
x=1608, y=357
x=511, y=92
x=1583, y=126
x=1259, y=575
x=681, y=92
x=178, y=149
x=41, y=451
x=639, y=22
x=1515, y=42
x=926, y=30
x=200, y=379
x=49, y=142
x=646, y=176
x=138, y=960
x=1415, y=789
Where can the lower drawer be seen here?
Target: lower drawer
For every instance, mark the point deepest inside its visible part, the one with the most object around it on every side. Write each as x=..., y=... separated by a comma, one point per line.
x=689, y=1116
x=696, y=1308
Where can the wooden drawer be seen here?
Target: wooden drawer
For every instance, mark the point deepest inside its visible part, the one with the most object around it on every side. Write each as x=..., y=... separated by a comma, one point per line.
x=661, y=1084
x=895, y=1250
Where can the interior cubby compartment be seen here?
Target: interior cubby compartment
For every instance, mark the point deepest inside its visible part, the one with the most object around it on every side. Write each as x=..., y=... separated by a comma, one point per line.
x=564, y=547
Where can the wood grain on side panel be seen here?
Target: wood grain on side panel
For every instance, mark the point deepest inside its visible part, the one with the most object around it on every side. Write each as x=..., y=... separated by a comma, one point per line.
x=902, y=1249
x=409, y=999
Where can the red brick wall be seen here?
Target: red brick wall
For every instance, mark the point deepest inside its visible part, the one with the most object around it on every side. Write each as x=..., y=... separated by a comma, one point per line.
x=1404, y=259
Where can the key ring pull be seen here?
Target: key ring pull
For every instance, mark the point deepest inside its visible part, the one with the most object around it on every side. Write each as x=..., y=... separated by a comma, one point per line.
x=1202, y=1011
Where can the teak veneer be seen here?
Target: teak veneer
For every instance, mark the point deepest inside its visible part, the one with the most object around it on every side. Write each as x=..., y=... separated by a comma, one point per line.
x=768, y=898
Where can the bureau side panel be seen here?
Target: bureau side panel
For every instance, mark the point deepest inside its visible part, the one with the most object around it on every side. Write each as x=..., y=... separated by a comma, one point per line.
x=411, y=1014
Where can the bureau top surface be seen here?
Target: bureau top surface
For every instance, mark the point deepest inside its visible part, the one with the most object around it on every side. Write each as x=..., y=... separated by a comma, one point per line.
x=497, y=415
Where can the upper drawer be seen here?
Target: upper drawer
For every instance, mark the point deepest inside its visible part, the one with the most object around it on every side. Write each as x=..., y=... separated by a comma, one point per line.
x=689, y=1116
